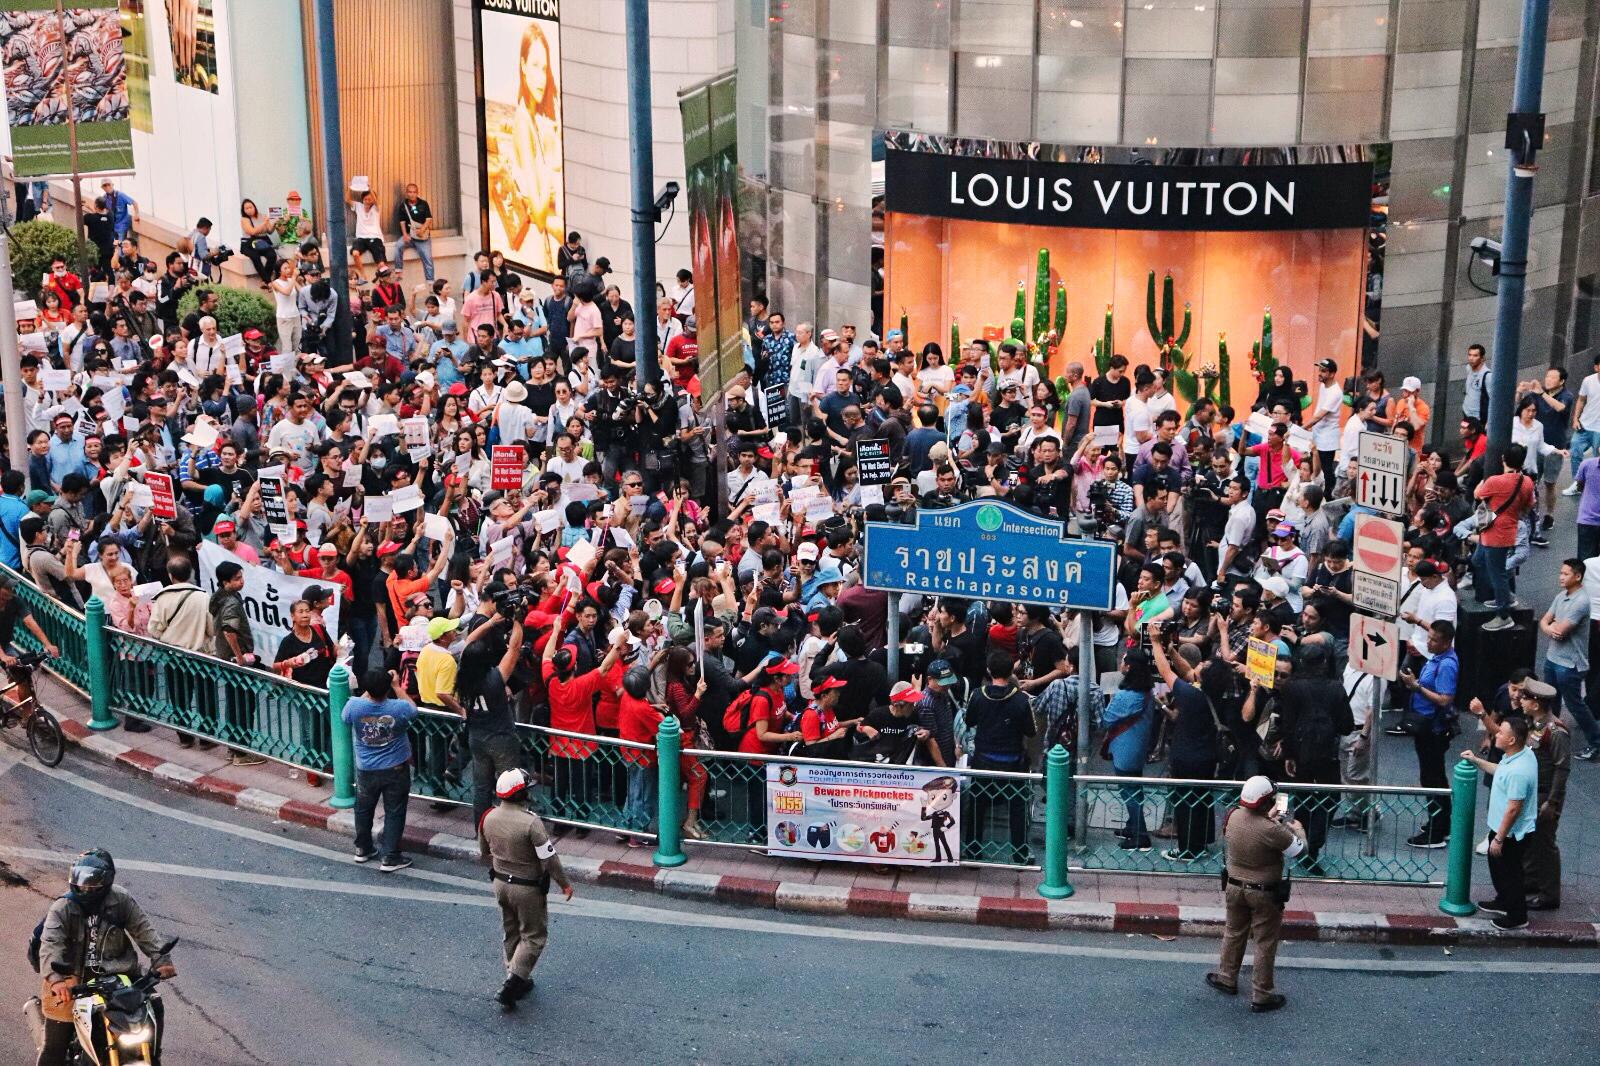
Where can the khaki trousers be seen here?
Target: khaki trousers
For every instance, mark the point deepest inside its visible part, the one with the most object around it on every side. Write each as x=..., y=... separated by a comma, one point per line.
x=524, y=917
x=1252, y=914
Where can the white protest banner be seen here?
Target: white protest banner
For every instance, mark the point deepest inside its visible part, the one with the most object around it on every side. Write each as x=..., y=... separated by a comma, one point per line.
x=383, y=425
x=147, y=590
x=186, y=375
x=357, y=380
x=415, y=430
x=202, y=435
x=419, y=453
x=377, y=509
x=547, y=521
x=621, y=537
x=406, y=498
x=412, y=637
x=352, y=476
x=896, y=815
x=500, y=551
x=581, y=554
x=700, y=634
x=55, y=380
x=1300, y=440
x=436, y=527
x=1105, y=437
x=871, y=494
x=233, y=344
x=267, y=597
x=1258, y=424
x=25, y=309
x=32, y=342
x=282, y=363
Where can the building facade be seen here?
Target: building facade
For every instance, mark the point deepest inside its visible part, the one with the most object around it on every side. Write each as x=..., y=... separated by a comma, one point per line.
x=1424, y=84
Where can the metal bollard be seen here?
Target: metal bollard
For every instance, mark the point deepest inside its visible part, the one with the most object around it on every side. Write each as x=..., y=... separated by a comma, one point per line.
x=1057, y=806
x=340, y=745
x=1457, y=899
x=669, y=807
x=94, y=639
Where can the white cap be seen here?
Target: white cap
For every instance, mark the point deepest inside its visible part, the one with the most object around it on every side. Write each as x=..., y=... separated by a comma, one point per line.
x=1255, y=790
x=1276, y=585
x=808, y=550
x=1411, y=384
x=511, y=782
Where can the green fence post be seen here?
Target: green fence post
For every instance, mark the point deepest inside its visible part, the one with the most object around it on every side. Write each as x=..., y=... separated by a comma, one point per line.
x=94, y=639
x=669, y=810
x=341, y=747
x=1458, y=859
x=1057, y=809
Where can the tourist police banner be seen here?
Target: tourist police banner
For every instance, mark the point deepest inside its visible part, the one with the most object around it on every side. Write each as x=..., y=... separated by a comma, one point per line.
x=890, y=815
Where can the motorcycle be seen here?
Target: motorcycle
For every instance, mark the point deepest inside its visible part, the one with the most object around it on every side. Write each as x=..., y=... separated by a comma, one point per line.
x=112, y=1016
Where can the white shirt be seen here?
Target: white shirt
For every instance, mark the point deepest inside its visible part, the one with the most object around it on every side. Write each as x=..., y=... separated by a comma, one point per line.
x=368, y=225
x=803, y=369
x=571, y=470
x=206, y=358
x=1591, y=585
x=1135, y=420
x=1161, y=401
x=1106, y=634
x=823, y=381
x=1531, y=437
x=1292, y=566
x=1589, y=393
x=1429, y=605
x=515, y=422
x=1350, y=439
x=1241, y=525
x=682, y=297
x=1325, y=433
x=1026, y=378
x=1359, y=686
x=295, y=438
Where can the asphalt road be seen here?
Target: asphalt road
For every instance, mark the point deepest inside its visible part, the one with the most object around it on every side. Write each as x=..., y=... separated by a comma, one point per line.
x=290, y=953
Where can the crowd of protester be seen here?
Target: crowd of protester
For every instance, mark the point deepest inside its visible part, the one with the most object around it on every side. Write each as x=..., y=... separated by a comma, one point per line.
x=647, y=514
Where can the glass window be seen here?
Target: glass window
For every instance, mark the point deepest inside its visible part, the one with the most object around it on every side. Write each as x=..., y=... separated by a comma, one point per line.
x=1429, y=25
x=849, y=85
x=1080, y=28
x=1079, y=99
x=1344, y=99
x=994, y=96
x=1249, y=121
x=918, y=23
x=995, y=26
x=1259, y=28
x=1175, y=28
x=1260, y=77
x=917, y=92
x=1347, y=28
x=1168, y=102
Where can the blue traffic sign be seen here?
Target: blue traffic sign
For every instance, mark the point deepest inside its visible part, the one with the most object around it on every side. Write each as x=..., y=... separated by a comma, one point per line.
x=991, y=550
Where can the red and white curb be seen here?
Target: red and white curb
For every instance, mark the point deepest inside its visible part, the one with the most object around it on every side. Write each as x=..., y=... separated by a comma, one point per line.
x=1160, y=919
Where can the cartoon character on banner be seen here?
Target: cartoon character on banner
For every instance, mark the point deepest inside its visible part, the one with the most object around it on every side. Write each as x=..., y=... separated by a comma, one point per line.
x=937, y=797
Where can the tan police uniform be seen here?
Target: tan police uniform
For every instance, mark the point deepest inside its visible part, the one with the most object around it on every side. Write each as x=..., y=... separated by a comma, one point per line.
x=1255, y=846
x=522, y=863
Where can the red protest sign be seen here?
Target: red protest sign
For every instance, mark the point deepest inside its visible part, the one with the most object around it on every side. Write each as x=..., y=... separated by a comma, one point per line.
x=162, y=505
x=506, y=465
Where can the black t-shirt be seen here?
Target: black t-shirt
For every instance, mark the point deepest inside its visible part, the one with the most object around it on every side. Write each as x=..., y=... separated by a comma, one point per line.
x=1045, y=649
x=235, y=484
x=965, y=654
x=866, y=687
x=11, y=615
x=408, y=216
x=1106, y=390
x=315, y=672
x=483, y=691
x=1335, y=612
x=896, y=738
x=1192, y=736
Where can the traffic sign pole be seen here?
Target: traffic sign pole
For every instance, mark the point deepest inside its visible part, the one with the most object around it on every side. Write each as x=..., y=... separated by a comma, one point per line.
x=1369, y=847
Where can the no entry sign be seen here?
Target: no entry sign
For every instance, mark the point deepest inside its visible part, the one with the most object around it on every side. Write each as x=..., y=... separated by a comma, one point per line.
x=1378, y=551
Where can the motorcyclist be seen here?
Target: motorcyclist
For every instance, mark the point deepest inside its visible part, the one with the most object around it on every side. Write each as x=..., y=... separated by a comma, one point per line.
x=89, y=931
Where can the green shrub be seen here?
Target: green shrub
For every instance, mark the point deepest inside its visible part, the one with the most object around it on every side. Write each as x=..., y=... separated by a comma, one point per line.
x=33, y=245
x=237, y=310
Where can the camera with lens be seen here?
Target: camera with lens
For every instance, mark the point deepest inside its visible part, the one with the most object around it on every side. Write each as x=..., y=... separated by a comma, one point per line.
x=220, y=254
x=1099, y=494
x=510, y=602
x=1221, y=602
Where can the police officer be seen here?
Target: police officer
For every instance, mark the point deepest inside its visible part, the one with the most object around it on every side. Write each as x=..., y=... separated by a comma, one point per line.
x=522, y=862
x=1258, y=838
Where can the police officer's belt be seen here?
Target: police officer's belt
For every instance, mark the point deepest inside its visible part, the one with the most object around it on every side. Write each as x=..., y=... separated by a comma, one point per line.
x=1259, y=886
x=511, y=879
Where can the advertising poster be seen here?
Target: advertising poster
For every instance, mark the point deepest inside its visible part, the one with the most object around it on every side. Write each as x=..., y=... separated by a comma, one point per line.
x=136, y=58
x=695, y=107
x=725, y=227
x=268, y=596
x=519, y=65
x=192, y=32
x=65, y=76
x=901, y=815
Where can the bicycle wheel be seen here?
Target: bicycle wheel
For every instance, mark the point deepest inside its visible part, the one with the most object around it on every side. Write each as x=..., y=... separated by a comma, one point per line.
x=44, y=737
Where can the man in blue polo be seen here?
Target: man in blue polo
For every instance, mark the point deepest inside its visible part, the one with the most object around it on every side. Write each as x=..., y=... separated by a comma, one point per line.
x=1513, y=810
x=13, y=509
x=121, y=207
x=1431, y=707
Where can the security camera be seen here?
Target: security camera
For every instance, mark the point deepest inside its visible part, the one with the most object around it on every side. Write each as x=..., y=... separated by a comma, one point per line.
x=1486, y=249
x=664, y=198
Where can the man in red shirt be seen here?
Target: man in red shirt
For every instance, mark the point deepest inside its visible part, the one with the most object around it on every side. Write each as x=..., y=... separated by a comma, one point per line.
x=1508, y=495
x=824, y=736
x=638, y=720
x=328, y=570
x=575, y=783
x=683, y=355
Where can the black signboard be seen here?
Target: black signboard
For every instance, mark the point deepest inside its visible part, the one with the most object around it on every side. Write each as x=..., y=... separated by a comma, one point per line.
x=1130, y=196
x=777, y=406
x=874, y=464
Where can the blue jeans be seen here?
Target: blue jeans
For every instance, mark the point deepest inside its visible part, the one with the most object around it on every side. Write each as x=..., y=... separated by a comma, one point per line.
x=1489, y=571
x=423, y=246
x=641, y=806
x=1583, y=442
x=363, y=630
x=1569, y=683
x=1132, y=797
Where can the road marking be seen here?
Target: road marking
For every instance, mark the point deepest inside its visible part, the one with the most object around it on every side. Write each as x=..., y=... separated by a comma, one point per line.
x=631, y=912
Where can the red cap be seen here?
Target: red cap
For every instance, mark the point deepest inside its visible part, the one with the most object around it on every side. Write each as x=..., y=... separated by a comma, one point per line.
x=389, y=547
x=223, y=525
x=828, y=683
x=456, y=389
x=663, y=587
x=252, y=334
x=782, y=666
x=904, y=692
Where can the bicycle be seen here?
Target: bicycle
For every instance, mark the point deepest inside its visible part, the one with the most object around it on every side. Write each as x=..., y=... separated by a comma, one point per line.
x=44, y=732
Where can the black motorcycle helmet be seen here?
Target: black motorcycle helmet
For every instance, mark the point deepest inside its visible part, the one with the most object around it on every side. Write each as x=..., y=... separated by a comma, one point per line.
x=91, y=878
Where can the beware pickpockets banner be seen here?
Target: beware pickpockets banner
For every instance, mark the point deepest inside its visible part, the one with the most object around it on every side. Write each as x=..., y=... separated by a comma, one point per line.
x=899, y=815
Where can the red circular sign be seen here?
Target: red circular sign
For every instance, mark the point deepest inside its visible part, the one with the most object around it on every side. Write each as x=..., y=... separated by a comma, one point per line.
x=1377, y=545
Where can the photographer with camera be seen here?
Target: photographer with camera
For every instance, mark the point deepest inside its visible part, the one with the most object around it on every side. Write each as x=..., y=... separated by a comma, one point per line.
x=614, y=421
x=174, y=283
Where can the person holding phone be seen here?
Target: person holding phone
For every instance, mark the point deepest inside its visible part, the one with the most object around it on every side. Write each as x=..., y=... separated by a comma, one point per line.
x=1258, y=837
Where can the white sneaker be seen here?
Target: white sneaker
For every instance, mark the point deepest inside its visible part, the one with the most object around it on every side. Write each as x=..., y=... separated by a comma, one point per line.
x=1482, y=848
x=1495, y=625
x=1571, y=490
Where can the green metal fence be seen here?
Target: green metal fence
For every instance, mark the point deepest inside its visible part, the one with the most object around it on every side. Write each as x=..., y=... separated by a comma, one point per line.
x=63, y=625
x=1355, y=834
x=207, y=697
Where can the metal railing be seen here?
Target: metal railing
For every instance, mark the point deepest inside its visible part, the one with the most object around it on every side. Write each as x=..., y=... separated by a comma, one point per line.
x=1358, y=834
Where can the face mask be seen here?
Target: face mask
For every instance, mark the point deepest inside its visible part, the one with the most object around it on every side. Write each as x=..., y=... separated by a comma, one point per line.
x=378, y=462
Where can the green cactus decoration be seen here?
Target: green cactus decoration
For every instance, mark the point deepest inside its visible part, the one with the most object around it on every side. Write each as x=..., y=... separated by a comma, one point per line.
x=1019, y=329
x=1224, y=365
x=905, y=329
x=1161, y=329
x=955, y=342
x=1061, y=311
x=1063, y=390
x=1019, y=309
x=1041, y=297
x=1103, y=348
x=1184, y=381
x=1262, y=364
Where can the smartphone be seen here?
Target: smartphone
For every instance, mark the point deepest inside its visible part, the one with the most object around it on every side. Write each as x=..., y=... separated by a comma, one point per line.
x=73, y=534
x=1280, y=806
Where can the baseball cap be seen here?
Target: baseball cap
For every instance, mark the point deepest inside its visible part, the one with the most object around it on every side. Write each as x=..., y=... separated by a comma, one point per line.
x=904, y=692
x=448, y=327
x=830, y=335
x=829, y=576
x=317, y=593
x=37, y=496
x=1256, y=790
x=961, y=390
x=941, y=672
x=828, y=683
x=292, y=194
x=1283, y=529
x=221, y=525
x=438, y=627
x=663, y=587
x=1276, y=585
x=779, y=664
x=1327, y=364
x=892, y=334
x=456, y=389
x=1428, y=568
x=389, y=547
x=764, y=616
x=1411, y=384
x=252, y=334
x=808, y=550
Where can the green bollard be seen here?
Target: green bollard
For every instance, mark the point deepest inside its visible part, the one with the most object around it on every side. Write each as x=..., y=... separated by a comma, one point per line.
x=342, y=748
x=669, y=809
x=1057, y=809
x=1457, y=899
x=94, y=639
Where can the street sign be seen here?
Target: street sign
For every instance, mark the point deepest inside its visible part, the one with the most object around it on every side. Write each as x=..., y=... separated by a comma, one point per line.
x=1381, y=473
x=990, y=550
x=1377, y=552
x=1374, y=646
x=1261, y=662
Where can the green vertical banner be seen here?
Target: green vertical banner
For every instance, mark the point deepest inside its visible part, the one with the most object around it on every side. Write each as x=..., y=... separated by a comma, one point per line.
x=725, y=226
x=66, y=82
x=695, y=106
